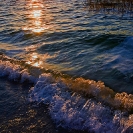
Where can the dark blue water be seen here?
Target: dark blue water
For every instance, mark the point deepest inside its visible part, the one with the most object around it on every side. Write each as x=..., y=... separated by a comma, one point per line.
x=66, y=38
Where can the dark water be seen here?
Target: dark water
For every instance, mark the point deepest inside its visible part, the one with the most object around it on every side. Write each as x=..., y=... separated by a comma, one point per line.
x=17, y=115
x=64, y=37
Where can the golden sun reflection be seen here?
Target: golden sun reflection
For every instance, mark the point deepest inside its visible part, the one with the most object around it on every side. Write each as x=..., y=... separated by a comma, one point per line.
x=37, y=23
x=34, y=57
x=37, y=64
x=35, y=4
x=35, y=17
x=37, y=60
x=36, y=13
x=38, y=30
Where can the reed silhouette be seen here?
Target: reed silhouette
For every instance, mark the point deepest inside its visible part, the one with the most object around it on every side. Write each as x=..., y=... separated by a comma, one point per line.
x=119, y=6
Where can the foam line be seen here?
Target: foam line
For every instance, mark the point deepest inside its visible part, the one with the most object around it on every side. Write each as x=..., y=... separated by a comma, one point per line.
x=14, y=72
x=71, y=110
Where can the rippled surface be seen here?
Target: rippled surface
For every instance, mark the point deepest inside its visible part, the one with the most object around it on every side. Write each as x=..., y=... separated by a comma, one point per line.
x=65, y=36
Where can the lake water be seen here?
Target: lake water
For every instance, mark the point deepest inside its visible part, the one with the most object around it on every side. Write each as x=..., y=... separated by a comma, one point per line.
x=75, y=60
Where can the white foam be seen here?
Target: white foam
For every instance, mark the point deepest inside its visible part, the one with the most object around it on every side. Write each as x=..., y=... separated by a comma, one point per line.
x=72, y=111
x=14, y=72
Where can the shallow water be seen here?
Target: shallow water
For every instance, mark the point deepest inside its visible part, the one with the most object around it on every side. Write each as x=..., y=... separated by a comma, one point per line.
x=78, y=47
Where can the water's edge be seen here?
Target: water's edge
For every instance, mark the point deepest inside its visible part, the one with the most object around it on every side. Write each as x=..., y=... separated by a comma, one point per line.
x=75, y=104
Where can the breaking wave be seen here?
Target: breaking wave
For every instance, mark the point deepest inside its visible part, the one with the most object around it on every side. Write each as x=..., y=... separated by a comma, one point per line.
x=77, y=104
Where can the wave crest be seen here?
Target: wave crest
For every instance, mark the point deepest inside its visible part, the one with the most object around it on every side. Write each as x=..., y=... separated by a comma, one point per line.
x=77, y=104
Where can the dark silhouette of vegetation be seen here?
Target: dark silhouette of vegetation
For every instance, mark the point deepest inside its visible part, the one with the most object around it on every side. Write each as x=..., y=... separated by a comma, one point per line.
x=119, y=6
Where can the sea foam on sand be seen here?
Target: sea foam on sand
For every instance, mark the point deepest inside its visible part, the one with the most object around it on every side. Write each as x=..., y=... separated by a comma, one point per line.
x=71, y=110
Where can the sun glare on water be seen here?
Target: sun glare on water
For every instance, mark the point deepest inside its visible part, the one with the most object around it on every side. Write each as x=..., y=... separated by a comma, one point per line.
x=35, y=17
x=37, y=60
x=36, y=13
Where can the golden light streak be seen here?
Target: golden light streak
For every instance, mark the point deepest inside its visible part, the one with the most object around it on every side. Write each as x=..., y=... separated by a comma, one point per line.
x=36, y=13
x=37, y=60
x=37, y=64
x=35, y=22
x=38, y=30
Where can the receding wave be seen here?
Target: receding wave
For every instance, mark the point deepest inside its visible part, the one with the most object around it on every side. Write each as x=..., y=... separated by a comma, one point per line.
x=77, y=104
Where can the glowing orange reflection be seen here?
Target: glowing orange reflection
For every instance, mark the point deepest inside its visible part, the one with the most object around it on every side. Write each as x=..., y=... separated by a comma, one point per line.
x=37, y=64
x=35, y=4
x=35, y=16
x=36, y=13
x=37, y=60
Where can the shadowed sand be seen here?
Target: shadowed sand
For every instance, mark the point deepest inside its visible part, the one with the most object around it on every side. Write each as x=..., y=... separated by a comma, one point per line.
x=18, y=115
